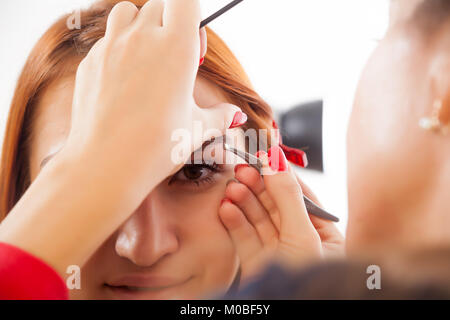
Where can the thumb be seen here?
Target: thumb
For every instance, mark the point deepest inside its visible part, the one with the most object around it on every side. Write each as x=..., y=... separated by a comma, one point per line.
x=217, y=119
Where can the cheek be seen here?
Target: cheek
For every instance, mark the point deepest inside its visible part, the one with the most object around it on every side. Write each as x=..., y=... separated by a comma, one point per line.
x=214, y=252
x=205, y=240
x=201, y=227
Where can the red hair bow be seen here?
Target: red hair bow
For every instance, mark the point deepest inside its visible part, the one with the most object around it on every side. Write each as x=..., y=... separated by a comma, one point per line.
x=296, y=156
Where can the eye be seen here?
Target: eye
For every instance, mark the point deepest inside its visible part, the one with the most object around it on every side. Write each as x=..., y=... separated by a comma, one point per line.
x=195, y=174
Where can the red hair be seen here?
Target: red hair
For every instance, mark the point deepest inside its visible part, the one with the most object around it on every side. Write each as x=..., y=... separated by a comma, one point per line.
x=57, y=55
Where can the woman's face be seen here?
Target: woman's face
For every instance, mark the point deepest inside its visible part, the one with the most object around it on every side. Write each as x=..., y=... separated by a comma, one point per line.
x=174, y=245
x=397, y=170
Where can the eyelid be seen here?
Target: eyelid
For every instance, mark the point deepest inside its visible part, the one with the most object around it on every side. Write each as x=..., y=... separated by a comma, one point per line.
x=214, y=168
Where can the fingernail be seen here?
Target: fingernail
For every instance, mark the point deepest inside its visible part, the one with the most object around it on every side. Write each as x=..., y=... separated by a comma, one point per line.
x=295, y=156
x=202, y=60
x=301, y=159
x=277, y=159
x=224, y=201
x=239, y=119
x=274, y=124
x=241, y=165
x=260, y=153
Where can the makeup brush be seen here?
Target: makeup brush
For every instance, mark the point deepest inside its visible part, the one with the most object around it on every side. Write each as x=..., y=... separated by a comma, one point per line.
x=220, y=12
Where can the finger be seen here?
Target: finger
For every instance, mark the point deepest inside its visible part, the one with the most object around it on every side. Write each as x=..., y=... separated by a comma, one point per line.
x=332, y=239
x=183, y=16
x=121, y=16
x=151, y=14
x=253, y=210
x=96, y=51
x=215, y=121
x=250, y=177
x=243, y=235
x=316, y=221
x=327, y=230
x=307, y=191
x=287, y=195
x=319, y=223
x=203, y=42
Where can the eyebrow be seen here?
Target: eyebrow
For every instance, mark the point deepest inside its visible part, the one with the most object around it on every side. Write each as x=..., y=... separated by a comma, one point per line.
x=221, y=139
x=205, y=144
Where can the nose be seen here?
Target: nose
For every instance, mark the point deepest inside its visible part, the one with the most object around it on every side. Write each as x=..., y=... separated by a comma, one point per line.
x=147, y=236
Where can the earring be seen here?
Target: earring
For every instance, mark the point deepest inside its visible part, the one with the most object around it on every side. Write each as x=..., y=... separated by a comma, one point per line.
x=433, y=123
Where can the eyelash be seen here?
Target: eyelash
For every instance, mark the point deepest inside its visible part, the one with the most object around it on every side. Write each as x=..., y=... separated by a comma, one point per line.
x=214, y=168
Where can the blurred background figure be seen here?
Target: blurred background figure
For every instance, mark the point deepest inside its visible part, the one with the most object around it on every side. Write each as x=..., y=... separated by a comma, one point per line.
x=398, y=172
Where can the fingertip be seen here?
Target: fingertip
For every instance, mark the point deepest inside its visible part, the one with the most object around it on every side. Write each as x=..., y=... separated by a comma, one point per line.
x=230, y=190
x=151, y=13
x=120, y=16
x=277, y=159
x=230, y=214
x=261, y=154
x=183, y=16
x=237, y=192
x=217, y=117
x=225, y=201
x=124, y=5
x=250, y=177
x=239, y=119
x=239, y=166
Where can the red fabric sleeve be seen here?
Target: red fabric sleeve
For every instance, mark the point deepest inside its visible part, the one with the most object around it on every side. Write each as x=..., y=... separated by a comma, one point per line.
x=25, y=277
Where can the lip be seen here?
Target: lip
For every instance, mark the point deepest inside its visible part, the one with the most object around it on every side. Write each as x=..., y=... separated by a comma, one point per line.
x=145, y=287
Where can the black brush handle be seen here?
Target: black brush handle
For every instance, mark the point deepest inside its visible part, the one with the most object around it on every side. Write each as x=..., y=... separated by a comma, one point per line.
x=220, y=12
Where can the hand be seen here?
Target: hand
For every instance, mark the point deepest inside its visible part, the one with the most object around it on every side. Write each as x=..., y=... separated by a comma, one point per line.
x=333, y=243
x=135, y=89
x=267, y=220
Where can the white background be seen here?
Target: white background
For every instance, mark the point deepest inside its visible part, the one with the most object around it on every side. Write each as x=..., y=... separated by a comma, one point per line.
x=293, y=50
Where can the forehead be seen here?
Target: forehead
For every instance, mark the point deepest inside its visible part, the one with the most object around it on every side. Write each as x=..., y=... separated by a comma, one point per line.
x=51, y=124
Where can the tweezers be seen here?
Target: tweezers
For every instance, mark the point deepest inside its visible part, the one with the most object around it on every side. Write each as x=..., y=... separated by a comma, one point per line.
x=253, y=161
